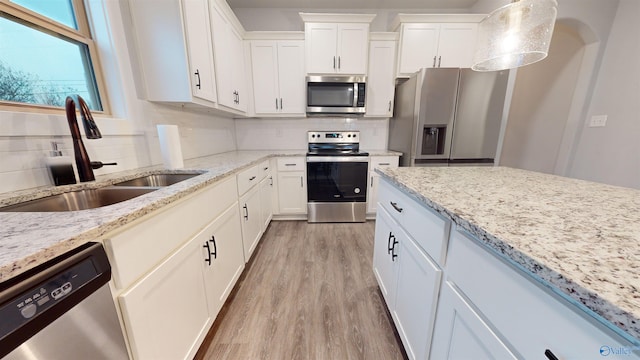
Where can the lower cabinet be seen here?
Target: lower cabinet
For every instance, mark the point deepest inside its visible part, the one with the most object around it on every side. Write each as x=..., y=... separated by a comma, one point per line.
x=470, y=303
x=377, y=162
x=221, y=243
x=250, y=217
x=460, y=333
x=165, y=313
x=409, y=281
x=266, y=203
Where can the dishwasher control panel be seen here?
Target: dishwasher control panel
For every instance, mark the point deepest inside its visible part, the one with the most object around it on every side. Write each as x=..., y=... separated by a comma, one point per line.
x=25, y=306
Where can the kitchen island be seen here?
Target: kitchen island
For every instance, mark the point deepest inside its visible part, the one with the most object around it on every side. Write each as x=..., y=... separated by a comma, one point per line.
x=578, y=239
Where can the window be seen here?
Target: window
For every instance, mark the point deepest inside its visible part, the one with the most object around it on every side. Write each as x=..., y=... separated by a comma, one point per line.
x=46, y=53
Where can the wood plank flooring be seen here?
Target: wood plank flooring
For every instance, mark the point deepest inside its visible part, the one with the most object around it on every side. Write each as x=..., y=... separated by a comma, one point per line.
x=308, y=293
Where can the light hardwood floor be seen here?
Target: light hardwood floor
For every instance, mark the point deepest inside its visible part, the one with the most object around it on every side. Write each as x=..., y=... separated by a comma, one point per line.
x=308, y=293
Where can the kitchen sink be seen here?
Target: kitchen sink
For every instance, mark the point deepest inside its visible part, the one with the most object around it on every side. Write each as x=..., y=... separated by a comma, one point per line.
x=157, y=180
x=78, y=200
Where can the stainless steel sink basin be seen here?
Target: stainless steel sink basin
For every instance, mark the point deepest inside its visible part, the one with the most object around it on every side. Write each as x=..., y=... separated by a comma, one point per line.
x=78, y=200
x=157, y=180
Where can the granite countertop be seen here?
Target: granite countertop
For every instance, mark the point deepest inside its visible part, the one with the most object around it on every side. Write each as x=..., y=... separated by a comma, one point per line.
x=582, y=239
x=29, y=239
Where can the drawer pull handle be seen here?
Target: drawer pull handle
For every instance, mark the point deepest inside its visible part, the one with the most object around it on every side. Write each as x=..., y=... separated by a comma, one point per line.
x=215, y=247
x=384, y=164
x=389, y=247
x=252, y=178
x=289, y=164
x=208, y=259
x=395, y=206
x=246, y=212
x=550, y=355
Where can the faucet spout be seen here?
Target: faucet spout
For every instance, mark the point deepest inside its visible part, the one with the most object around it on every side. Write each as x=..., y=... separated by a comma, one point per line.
x=85, y=172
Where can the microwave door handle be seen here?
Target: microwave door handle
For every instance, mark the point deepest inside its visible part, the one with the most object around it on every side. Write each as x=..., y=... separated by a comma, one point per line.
x=355, y=94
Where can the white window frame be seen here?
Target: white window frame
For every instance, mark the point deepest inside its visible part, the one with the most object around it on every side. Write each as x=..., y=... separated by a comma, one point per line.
x=82, y=35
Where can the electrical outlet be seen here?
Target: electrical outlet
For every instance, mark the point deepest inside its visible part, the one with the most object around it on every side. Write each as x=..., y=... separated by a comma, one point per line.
x=598, y=121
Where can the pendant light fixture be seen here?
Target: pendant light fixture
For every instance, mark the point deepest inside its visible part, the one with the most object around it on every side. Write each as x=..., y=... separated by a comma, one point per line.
x=515, y=35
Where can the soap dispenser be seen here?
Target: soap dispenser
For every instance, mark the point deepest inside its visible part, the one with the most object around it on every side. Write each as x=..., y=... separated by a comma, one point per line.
x=60, y=167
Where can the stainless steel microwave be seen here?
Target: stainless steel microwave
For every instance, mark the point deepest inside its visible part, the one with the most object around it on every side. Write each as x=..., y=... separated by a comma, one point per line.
x=334, y=95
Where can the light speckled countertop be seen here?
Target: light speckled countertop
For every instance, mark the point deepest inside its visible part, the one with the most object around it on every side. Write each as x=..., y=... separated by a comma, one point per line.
x=29, y=239
x=580, y=238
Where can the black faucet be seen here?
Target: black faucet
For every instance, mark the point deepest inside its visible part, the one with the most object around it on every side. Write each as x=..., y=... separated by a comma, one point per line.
x=84, y=165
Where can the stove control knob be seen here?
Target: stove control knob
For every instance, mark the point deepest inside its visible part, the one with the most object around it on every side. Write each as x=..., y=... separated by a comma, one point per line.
x=356, y=190
x=354, y=135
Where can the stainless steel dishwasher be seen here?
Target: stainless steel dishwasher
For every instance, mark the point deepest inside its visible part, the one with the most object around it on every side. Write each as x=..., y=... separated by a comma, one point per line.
x=62, y=309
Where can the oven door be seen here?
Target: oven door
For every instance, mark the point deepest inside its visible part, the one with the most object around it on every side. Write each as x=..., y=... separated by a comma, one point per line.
x=337, y=178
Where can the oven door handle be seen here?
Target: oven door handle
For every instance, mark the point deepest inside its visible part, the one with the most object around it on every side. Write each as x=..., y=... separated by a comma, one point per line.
x=311, y=159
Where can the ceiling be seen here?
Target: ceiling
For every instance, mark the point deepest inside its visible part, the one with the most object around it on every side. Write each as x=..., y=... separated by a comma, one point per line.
x=354, y=4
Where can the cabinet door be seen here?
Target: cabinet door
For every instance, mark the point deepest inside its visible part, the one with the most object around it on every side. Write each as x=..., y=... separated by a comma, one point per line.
x=264, y=63
x=292, y=192
x=320, y=47
x=457, y=45
x=221, y=243
x=353, y=47
x=418, y=47
x=416, y=295
x=384, y=266
x=291, y=75
x=223, y=55
x=239, y=78
x=461, y=334
x=196, y=22
x=381, y=79
x=372, y=202
x=266, y=207
x=165, y=313
x=250, y=212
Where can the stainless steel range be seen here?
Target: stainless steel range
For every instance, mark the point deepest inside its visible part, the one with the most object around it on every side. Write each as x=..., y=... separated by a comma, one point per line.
x=336, y=177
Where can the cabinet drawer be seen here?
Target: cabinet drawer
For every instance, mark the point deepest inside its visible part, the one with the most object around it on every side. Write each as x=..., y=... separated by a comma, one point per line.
x=248, y=178
x=427, y=228
x=383, y=162
x=531, y=318
x=291, y=164
x=139, y=247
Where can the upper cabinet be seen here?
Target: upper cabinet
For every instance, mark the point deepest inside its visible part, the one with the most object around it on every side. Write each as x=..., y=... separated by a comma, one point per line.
x=381, y=79
x=229, y=58
x=436, y=41
x=336, y=43
x=177, y=66
x=278, y=77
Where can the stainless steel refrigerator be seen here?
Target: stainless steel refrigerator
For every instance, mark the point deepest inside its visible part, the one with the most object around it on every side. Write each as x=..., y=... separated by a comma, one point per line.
x=448, y=116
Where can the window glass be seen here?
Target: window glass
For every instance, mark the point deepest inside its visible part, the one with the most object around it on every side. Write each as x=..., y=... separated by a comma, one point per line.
x=58, y=10
x=37, y=67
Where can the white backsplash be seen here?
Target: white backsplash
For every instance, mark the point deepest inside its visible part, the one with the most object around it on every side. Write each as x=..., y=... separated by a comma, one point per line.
x=291, y=134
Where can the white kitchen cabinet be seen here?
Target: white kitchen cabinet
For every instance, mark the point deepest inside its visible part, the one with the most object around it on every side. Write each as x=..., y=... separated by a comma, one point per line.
x=278, y=77
x=229, y=60
x=381, y=78
x=292, y=185
x=460, y=333
x=377, y=162
x=266, y=200
x=250, y=217
x=425, y=45
x=385, y=268
x=177, y=67
x=336, y=48
x=165, y=313
x=417, y=282
x=409, y=281
x=221, y=243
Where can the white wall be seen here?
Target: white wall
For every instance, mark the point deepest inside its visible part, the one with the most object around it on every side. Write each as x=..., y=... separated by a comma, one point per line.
x=291, y=134
x=612, y=154
x=129, y=134
x=541, y=103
